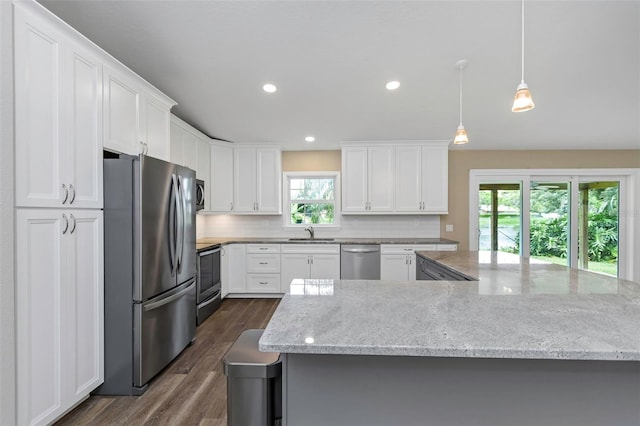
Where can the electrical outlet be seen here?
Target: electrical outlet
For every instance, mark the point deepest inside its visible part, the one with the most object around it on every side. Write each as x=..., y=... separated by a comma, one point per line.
x=449, y=228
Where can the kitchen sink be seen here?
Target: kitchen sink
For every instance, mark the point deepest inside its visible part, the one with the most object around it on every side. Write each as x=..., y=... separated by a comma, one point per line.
x=309, y=239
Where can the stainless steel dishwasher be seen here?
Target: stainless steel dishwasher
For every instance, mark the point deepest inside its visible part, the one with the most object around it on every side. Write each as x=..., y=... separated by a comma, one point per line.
x=360, y=262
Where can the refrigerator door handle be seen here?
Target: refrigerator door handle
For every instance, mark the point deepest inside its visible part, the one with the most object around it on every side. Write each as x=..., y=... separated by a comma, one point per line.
x=172, y=225
x=180, y=222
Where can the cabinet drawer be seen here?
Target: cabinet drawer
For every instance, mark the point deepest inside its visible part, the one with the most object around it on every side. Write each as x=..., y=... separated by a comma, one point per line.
x=447, y=247
x=405, y=248
x=263, y=263
x=314, y=248
x=263, y=248
x=263, y=283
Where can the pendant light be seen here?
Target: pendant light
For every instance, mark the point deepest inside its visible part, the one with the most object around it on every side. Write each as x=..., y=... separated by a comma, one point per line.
x=461, y=134
x=522, y=101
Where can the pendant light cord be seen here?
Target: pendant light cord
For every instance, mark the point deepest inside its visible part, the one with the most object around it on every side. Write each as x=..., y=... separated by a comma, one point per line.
x=462, y=66
x=522, y=40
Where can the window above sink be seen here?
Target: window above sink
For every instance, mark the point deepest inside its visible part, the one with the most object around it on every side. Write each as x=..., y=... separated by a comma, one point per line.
x=311, y=198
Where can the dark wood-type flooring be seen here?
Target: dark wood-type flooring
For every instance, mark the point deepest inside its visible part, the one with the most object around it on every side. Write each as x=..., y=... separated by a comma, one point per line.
x=192, y=390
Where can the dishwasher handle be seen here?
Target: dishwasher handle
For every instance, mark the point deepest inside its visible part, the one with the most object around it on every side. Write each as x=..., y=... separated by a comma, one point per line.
x=361, y=250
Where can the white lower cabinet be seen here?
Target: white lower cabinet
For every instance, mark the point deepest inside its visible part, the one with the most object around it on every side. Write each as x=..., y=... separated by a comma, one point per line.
x=235, y=268
x=316, y=261
x=263, y=268
x=398, y=261
x=59, y=310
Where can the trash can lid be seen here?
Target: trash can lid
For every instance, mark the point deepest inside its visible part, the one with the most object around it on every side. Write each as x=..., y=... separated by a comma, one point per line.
x=245, y=359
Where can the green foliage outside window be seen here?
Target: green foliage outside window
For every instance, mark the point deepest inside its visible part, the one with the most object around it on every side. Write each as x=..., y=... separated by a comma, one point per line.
x=312, y=201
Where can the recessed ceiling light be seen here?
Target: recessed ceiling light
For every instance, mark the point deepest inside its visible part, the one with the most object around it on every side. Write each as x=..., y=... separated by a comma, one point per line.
x=269, y=88
x=393, y=85
x=310, y=139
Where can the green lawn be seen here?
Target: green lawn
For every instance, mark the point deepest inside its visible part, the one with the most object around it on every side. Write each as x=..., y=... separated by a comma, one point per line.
x=602, y=267
x=513, y=221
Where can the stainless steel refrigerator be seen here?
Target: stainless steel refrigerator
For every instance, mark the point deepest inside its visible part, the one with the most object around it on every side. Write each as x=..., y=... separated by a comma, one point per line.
x=150, y=269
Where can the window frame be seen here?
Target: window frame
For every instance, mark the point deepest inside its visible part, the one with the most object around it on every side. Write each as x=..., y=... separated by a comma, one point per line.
x=286, y=200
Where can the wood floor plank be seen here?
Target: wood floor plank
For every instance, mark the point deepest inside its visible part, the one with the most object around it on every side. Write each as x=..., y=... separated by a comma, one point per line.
x=192, y=390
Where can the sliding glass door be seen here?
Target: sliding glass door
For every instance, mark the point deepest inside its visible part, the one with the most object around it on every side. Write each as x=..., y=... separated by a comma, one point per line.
x=572, y=220
x=499, y=213
x=598, y=226
x=549, y=220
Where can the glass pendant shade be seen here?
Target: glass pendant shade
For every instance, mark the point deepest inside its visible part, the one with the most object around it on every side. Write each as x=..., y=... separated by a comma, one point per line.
x=523, y=100
x=461, y=136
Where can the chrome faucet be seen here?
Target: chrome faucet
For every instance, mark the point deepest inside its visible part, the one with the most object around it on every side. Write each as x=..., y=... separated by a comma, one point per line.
x=311, y=231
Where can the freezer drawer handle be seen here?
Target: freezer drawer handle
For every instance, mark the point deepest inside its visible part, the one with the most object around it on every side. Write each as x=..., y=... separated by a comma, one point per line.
x=210, y=301
x=173, y=297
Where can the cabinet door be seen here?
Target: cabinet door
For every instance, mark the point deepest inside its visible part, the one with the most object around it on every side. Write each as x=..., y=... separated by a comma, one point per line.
x=268, y=184
x=224, y=271
x=394, y=267
x=380, y=178
x=354, y=179
x=40, y=314
x=237, y=268
x=435, y=177
x=38, y=111
x=83, y=155
x=412, y=267
x=221, y=185
x=244, y=180
x=203, y=170
x=176, y=152
x=293, y=266
x=408, y=178
x=84, y=290
x=325, y=266
x=121, y=113
x=156, y=131
x=190, y=149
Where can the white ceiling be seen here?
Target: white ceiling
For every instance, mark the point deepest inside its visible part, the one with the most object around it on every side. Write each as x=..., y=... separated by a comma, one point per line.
x=331, y=60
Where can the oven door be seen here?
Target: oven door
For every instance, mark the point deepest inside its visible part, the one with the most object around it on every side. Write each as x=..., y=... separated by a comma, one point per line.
x=208, y=281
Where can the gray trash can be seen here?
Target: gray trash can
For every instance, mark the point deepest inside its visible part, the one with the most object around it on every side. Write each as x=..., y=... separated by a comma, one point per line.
x=254, y=383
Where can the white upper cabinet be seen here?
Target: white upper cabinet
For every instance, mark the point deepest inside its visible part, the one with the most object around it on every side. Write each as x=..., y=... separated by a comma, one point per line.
x=156, y=122
x=122, y=121
x=190, y=148
x=256, y=180
x=58, y=116
x=367, y=179
x=136, y=115
x=408, y=178
x=435, y=177
x=421, y=178
x=221, y=187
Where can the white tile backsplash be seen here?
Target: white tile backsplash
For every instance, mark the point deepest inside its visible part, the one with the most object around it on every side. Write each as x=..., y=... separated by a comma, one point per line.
x=351, y=227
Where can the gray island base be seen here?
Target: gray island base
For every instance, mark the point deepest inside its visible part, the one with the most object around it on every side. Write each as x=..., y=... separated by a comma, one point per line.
x=526, y=344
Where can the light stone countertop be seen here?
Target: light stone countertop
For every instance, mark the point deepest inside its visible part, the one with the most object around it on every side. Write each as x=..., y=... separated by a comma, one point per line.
x=208, y=242
x=517, y=309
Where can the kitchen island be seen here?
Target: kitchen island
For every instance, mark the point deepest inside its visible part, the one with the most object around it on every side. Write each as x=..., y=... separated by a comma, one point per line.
x=527, y=343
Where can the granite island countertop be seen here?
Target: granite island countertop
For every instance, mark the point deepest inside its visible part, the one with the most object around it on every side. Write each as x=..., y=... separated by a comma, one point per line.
x=518, y=308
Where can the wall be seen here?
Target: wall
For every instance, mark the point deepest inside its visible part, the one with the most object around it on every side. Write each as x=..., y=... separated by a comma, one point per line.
x=7, y=322
x=311, y=161
x=460, y=162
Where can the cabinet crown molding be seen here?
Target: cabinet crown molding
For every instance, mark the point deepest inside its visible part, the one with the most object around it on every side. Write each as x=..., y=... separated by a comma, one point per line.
x=395, y=142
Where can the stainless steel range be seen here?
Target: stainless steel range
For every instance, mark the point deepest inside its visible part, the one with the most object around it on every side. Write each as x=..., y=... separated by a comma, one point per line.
x=208, y=284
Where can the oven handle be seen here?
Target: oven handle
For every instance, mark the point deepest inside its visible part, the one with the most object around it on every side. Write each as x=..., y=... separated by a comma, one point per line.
x=208, y=252
x=213, y=298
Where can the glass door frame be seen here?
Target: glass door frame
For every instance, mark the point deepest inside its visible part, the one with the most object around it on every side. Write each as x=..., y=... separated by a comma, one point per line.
x=628, y=207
